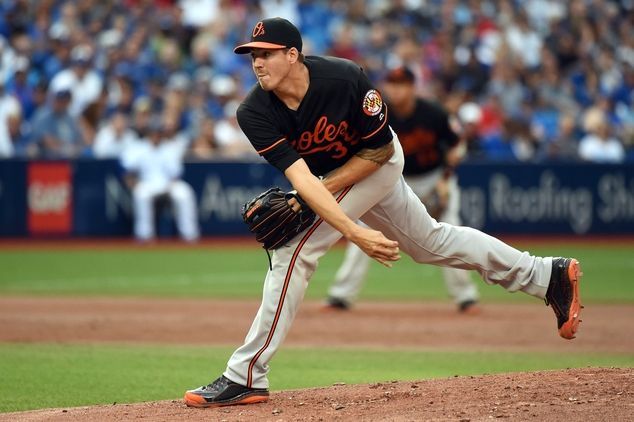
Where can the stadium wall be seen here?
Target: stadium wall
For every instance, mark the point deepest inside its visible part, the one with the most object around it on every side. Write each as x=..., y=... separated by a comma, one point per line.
x=89, y=198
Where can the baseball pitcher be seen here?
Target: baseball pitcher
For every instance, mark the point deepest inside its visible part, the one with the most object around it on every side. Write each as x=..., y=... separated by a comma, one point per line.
x=323, y=124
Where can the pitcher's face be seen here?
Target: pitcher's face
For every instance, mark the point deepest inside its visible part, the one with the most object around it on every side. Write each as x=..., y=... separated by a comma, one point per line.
x=270, y=66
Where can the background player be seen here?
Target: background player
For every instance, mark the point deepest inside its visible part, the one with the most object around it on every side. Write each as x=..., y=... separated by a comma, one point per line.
x=154, y=168
x=432, y=151
x=321, y=116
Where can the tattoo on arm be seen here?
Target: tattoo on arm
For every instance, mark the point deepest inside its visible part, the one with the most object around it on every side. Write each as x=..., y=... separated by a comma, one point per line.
x=378, y=156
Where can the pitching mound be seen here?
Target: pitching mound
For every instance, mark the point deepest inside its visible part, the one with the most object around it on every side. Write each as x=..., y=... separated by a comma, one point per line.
x=594, y=394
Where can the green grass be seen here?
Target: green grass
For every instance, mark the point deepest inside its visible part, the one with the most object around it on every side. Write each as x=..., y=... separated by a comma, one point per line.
x=239, y=273
x=37, y=376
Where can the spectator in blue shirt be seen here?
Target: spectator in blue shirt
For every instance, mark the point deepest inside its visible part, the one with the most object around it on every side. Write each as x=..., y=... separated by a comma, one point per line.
x=55, y=131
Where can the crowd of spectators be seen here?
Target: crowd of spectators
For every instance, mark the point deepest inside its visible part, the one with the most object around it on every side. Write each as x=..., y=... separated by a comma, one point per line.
x=531, y=80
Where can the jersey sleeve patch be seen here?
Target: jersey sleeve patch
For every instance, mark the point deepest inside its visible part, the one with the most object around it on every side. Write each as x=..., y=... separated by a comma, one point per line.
x=372, y=103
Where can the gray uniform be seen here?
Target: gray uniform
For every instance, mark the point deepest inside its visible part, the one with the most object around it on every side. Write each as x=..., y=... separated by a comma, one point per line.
x=384, y=202
x=350, y=277
x=312, y=116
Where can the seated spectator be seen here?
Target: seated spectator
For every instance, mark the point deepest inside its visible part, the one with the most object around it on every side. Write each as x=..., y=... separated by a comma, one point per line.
x=154, y=90
x=14, y=134
x=204, y=146
x=58, y=53
x=523, y=143
x=6, y=146
x=85, y=83
x=154, y=167
x=21, y=85
x=624, y=93
x=120, y=89
x=55, y=132
x=7, y=104
x=114, y=137
x=469, y=115
x=626, y=115
x=598, y=146
x=198, y=13
x=498, y=146
x=564, y=145
x=223, y=88
x=142, y=114
x=505, y=86
x=229, y=136
x=172, y=132
x=493, y=115
x=194, y=113
x=525, y=42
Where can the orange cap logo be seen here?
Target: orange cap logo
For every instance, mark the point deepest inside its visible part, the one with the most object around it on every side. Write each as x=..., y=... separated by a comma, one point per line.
x=258, y=29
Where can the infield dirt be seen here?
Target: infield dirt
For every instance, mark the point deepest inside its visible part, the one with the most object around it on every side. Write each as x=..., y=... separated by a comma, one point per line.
x=589, y=394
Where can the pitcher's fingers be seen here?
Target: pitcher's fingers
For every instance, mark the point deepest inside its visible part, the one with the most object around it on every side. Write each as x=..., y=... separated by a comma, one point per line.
x=386, y=255
x=386, y=263
x=388, y=252
x=391, y=244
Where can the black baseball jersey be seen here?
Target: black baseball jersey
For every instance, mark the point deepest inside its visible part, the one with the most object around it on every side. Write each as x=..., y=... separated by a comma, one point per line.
x=341, y=113
x=425, y=136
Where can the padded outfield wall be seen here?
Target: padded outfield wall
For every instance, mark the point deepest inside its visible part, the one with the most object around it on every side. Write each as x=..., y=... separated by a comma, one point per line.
x=89, y=198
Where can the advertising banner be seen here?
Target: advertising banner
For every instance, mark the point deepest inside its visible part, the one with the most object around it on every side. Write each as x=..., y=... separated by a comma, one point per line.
x=548, y=199
x=90, y=198
x=49, y=198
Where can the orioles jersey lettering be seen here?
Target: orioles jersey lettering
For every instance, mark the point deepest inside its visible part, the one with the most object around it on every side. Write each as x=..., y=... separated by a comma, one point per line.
x=323, y=132
x=320, y=131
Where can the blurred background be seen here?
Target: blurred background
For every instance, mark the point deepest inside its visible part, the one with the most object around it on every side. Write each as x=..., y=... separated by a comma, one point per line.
x=543, y=91
x=114, y=109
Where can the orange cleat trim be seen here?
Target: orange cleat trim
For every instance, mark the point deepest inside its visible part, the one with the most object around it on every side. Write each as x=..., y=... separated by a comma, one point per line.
x=570, y=327
x=193, y=400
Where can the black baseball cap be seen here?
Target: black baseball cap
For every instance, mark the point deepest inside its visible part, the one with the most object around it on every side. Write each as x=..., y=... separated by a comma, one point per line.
x=272, y=33
x=401, y=74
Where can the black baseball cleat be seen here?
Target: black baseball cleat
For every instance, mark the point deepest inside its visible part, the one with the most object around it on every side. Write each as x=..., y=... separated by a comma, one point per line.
x=469, y=307
x=335, y=304
x=224, y=392
x=563, y=295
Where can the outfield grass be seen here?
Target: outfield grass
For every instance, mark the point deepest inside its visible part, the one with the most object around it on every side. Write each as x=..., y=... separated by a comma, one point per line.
x=37, y=376
x=77, y=375
x=239, y=273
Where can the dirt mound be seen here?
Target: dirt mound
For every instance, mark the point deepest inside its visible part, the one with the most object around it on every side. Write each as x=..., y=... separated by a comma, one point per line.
x=595, y=394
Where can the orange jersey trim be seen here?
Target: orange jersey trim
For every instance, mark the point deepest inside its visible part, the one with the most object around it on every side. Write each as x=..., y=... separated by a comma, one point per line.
x=287, y=281
x=262, y=151
x=380, y=127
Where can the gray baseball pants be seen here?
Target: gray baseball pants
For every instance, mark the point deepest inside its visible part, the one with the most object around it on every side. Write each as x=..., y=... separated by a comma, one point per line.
x=384, y=201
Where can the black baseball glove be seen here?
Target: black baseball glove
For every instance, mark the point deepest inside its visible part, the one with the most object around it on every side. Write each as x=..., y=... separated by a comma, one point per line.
x=273, y=220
